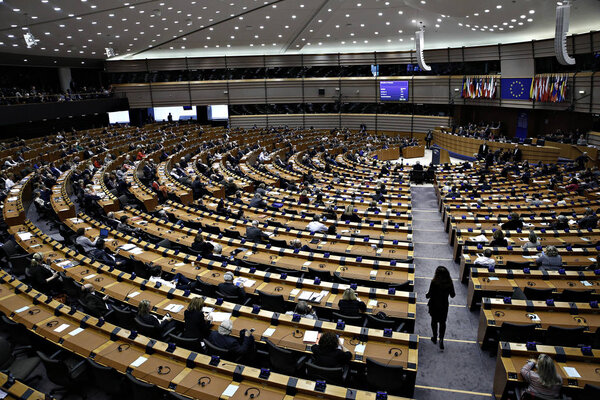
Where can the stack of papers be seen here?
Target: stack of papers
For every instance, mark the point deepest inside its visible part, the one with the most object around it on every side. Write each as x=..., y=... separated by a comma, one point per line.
x=244, y=282
x=220, y=316
x=24, y=235
x=127, y=246
x=294, y=292
x=174, y=307
x=480, y=238
x=268, y=332
x=310, y=337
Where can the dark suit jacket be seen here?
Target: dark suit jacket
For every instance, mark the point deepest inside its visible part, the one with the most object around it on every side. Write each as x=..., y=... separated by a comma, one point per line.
x=229, y=289
x=330, y=359
x=512, y=225
x=236, y=347
x=95, y=304
x=351, y=307
x=484, y=149
x=517, y=155
x=254, y=234
x=195, y=326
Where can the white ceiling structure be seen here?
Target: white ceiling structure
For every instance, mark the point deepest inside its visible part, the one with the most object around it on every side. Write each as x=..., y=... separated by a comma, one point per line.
x=195, y=28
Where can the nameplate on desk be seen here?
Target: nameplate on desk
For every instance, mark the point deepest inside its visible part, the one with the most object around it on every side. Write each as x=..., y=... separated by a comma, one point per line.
x=140, y=360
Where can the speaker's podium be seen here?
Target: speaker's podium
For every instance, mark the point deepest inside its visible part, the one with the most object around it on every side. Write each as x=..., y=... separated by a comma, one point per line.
x=435, y=156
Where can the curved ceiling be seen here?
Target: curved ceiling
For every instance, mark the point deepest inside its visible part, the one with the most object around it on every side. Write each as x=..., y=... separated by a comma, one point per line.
x=180, y=28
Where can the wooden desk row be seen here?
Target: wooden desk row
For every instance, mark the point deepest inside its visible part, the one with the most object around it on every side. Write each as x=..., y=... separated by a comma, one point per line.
x=118, y=348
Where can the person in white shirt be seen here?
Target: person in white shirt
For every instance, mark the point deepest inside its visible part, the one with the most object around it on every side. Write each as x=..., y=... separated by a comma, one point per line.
x=8, y=182
x=486, y=259
x=9, y=162
x=316, y=226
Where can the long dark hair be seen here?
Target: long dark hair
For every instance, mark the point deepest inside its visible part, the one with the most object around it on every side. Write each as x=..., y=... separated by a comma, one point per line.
x=442, y=276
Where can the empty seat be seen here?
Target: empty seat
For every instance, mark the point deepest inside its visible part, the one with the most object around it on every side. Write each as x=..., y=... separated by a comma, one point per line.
x=576, y=296
x=519, y=333
x=388, y=378
x=567, y=337
x=272, y=302
x=285, y=361
x=333, y=376
x=538, y=294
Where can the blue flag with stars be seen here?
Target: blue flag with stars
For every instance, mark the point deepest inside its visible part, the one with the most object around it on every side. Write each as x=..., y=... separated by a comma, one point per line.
x=516, y=88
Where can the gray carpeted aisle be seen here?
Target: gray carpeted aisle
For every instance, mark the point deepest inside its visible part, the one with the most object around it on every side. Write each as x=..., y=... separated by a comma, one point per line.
x=462, y=371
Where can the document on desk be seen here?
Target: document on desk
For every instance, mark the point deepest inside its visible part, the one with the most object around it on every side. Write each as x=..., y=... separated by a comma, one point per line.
x=310, y=337
x=493, y=278
x=530, y=257
x=305, y=295
x=127, y=246
x=136, y=250
x=75, y=332
x=317, y=297
x=294, y=292
x=230, y=391
x=61, y=328
x=133, y=294
x=360, y=348
x=140, y=360
x=76, y=220
x=174, y=307
x=220, y=316
x=592, y=259
x=372, y=303
x=571, y=372
x=207, y=310
x=586, y=283
x=479, y=238
x=268, y=332
x=25, y=235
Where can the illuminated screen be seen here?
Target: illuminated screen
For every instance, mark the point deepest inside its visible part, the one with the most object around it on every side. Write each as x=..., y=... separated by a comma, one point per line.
x=393, y=90
x=162, y=113
x=218, y=112
x=118, y=117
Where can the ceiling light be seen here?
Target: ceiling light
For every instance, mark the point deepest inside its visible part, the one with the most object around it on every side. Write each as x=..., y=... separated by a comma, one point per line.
x=531, y=11
x=529, y=19
x=499, y=6
x=486, y=10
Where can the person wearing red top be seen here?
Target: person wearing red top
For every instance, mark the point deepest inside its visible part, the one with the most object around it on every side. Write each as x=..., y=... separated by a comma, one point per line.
x=140, y=155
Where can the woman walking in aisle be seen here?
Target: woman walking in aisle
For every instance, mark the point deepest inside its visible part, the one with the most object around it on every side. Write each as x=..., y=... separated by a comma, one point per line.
x=440, y=288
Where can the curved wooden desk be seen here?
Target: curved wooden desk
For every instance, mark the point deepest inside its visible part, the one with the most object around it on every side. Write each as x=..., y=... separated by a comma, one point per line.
x=468, y=146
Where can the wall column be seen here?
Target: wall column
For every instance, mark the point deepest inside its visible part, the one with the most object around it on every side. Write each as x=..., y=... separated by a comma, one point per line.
x=64, y=77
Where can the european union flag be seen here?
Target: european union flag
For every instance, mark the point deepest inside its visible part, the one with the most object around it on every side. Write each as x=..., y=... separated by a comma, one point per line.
x=516, y=88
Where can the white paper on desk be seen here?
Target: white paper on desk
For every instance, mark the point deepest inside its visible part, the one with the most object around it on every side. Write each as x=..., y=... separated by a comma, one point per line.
x=220, y=316
x=534, y=317
x=310, y=336
x=61, y=328
x=318, y=297
x=527, y=224
x=586, y=283
x=230, y=391
x=132, y=295
x=180, y=264
x=373, y=273
x=572, y=222
x=360, y=348
x=269, y=233
x=174, y=307
x=307, y=263
x=305, y=295
x=127, y=246
x=76, y=220
x=3, y=394
x=268, y=332
x=12, y=198
x=493, y=278
x=137, y=250
x=76, y=331
x=22, y=309
x=372, y=303
x=529, y=257
x=571, y=372
x=294, y=292
x=25, y=235
x=522, y=239
x=138, y=362
x=592, y=259
x=207, y=310
x=586, y=239
x=249, y=283
x=479, y=238
x=89, y=276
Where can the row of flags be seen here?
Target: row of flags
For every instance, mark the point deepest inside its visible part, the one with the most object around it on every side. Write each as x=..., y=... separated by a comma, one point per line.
x=550, y=88
x=478, y=87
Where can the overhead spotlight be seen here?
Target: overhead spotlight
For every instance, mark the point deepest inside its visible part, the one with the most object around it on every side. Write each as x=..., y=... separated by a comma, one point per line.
x=30, y=40
x=109, y=51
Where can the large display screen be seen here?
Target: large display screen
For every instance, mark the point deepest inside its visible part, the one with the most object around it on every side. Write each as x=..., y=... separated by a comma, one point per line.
x=118, y=117
x=178, y=113
x=218, y=112
x=393, y=90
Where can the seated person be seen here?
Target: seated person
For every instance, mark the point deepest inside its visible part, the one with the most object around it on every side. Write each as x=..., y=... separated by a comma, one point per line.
x=196, y=325
x=202, y=246
x=93, y=303
x=84, y=241
x=241, y=346
x=316, y=225
x=179, y=281
x=373, y=207
x=228, y=288
x=297, y=244
x=304, y=198
x=329, y=352
x=486, y=260
x=549, y=259
x=350, y=215
x=43, y=278
x=498, y=239
x=513, y=223
x=544, y=382
x=102, y=256
x=123, y=227
x=304, y=310
x=589, y=220
x=144, y=315
x=532, y=241
x=350, y=304
x=254, y=234
x=561, y=223
x=257, y=201
x=330, y=213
